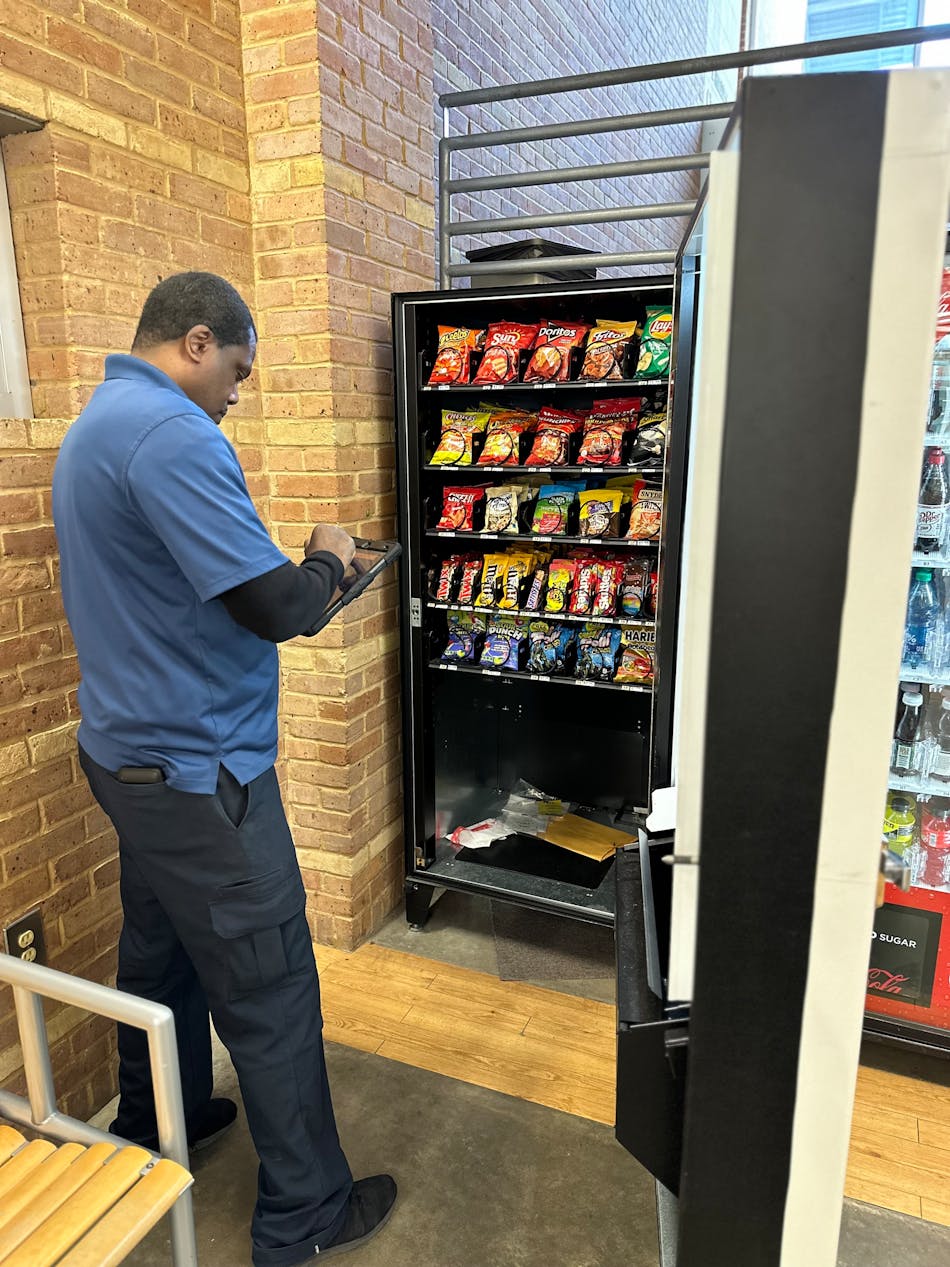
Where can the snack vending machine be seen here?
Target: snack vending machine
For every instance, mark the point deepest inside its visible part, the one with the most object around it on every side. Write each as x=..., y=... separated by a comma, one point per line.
x=909, y=973
x=538, y=504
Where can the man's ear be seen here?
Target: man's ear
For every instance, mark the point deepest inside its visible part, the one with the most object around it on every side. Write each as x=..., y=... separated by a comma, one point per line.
x=196, y=343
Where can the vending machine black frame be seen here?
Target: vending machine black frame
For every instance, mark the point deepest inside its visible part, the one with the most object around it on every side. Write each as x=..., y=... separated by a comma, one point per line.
x=426, y=308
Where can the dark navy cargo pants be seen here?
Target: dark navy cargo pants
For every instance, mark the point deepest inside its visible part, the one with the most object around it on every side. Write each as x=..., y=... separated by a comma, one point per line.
x=214, y=920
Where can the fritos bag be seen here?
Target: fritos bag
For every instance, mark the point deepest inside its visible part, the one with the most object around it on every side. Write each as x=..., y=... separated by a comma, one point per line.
x=656, y=343
x=606, y=345
x=551, y=360
x=453, y=362
x=504, y=342
x=458, y=431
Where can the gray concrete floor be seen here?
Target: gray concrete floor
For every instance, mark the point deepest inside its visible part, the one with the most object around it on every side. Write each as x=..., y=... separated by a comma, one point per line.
x=459, y=931
x=485, y=1180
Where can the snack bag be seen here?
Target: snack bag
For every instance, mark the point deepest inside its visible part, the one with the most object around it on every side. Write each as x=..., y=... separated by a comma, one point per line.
x=585, y=586
x=649, y=442
x=492, y=573
x=503, y=345
x=597, y=648
x=646, y=514
x=458, y=508
x=606, y=345
x=653, y=592
x=655, y=345
x=501, y=509
x=560, y=580
x=551, y=360
x=470, y=578
x=504, y=640
x=637, y=656
x=517, y=568
x=552, y=508
x=455, y=443
x=600, y=510
x=548, y=647
x=633, y=590
x=609, y=581
x=464, y=631
x=605, y=429
x=551, y=445
x=448, y=578
x=503, y=442
x=454, y=358
x=536, y=591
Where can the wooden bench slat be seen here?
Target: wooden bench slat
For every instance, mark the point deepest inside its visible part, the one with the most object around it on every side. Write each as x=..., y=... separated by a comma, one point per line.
x=36, y=1182
x=119, y=1231
x=23, y=1163
x=51, y=1240
x=10, y=1141
x=52, y=1197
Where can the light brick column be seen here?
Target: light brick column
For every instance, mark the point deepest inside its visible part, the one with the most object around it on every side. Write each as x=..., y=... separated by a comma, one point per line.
x=339, y=125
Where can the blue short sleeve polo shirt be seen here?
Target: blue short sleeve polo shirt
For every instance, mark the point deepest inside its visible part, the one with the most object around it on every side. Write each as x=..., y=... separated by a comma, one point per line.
x=154, y=521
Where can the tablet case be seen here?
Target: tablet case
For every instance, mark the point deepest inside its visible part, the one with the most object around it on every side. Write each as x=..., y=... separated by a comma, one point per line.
x=370, y=561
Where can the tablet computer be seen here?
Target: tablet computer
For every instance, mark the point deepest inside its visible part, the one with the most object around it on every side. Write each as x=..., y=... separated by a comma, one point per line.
x=370, y=561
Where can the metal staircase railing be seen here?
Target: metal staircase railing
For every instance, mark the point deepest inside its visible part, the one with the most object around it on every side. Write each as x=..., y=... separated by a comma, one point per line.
x=451, y=187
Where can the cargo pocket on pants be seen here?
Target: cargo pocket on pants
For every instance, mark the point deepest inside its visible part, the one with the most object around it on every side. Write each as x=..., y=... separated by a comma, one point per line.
x=249, y=919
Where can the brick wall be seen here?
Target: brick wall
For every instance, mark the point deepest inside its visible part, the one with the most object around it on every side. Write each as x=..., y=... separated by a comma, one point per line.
x=489, y=42
x=141, y=171
x=339, y=122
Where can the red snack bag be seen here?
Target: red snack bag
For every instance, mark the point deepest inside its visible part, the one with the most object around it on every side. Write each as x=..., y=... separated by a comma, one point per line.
x=448, y=577
x=588, y=578
x=552, y=442
x=471, y=575
x=458, y=508
x=608, y=589
x=551, y=360
x=605, y=429
x=503, y=345
x=453, y=360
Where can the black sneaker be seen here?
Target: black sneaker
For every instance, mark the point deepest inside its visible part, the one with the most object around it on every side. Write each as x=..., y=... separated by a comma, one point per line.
x=213, y=1121
x=370, y=1208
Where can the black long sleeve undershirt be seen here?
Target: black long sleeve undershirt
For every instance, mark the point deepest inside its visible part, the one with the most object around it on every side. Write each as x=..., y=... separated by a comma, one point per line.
x=288, y=600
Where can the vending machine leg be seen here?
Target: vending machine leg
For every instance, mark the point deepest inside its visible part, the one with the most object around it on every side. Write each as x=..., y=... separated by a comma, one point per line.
x=418, y=904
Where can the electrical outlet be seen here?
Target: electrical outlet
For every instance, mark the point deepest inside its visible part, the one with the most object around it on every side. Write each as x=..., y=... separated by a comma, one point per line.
x=24, y=937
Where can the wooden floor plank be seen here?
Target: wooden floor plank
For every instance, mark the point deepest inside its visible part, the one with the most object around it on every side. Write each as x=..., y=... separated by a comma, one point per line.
x=888, y=1121
x=936, y=1135
x=881, y=1194
x=468, y=1025
x=936, y=1211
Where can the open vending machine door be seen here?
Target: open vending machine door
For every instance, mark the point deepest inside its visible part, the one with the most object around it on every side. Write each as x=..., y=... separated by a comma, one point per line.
x=807, y=291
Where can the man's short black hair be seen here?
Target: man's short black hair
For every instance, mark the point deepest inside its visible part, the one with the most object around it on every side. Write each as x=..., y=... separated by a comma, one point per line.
x=185, y=300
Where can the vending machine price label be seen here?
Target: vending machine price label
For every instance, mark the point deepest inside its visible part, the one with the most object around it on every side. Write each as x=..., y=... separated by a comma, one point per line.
x=492, y=672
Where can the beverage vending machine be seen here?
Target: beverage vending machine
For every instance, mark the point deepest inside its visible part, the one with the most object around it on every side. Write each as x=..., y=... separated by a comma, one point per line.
x=909, y=974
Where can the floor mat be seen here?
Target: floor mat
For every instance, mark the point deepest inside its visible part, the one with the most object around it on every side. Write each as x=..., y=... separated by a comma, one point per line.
x=535, y=946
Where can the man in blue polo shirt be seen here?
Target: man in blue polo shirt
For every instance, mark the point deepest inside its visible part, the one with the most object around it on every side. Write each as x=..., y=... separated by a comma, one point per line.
x=176, y=595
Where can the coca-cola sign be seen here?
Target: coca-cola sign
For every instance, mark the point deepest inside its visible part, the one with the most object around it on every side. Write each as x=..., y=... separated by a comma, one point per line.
x=904, y=954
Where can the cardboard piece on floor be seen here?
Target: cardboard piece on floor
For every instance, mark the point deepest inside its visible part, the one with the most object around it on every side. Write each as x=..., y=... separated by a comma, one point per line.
x=580, y=835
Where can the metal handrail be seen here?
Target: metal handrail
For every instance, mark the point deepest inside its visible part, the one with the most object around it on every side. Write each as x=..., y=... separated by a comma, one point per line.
x=496, y=138
x=32, y=983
